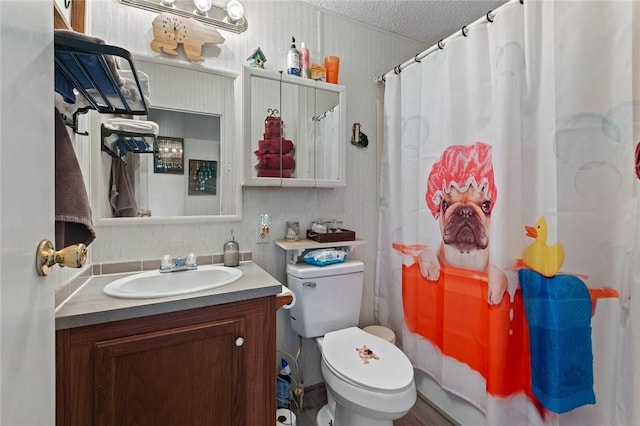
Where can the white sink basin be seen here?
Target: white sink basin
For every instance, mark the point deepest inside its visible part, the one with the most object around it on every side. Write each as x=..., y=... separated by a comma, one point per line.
x=147, y=285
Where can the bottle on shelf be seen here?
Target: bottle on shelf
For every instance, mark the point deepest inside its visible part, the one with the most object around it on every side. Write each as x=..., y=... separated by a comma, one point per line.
x=304, y=61
x=293, y=59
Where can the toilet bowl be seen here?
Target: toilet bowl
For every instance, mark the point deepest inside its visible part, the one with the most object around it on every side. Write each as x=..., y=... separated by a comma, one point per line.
x=365, y=394
x=369, y=390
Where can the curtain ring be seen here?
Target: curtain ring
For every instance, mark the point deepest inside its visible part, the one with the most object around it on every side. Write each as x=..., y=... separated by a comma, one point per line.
x=383, y=78
x=489, y=18
x=415, y=58
x=465, y=31
x=397, y=69
x=440, y=44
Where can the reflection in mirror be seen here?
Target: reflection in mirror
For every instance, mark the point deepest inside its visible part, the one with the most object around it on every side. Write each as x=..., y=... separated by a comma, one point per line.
x=194, y=110
x=327, y=135
x=162, y=186
x=310, y=120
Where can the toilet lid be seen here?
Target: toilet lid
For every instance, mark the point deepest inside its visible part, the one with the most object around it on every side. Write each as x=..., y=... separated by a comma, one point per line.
x=391, y=371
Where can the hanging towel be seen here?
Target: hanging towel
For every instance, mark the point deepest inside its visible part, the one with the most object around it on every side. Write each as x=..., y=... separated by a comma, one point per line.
x=121, y=197
x=558, y=312
x=72, y=210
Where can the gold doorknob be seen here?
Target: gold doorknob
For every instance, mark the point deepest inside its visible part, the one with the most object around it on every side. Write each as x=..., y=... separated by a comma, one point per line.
x=73, y=256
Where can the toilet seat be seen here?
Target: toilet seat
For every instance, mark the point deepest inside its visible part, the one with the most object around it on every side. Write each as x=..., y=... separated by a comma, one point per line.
x=391, y=373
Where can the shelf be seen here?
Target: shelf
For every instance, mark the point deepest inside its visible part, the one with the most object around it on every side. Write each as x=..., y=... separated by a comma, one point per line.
x=295, y=249
x=127, y=142
x=87, y=76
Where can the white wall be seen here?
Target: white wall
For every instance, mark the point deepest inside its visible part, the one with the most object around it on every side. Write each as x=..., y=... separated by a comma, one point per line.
x=364, y=53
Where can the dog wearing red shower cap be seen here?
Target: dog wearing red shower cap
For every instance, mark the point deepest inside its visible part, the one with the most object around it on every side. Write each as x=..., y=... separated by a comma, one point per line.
x=461, y=195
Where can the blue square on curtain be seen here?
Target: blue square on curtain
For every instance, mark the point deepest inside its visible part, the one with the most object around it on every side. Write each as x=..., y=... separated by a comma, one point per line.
x=558, y=312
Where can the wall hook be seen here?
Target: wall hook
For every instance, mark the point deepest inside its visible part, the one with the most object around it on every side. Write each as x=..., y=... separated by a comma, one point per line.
x=358, y=138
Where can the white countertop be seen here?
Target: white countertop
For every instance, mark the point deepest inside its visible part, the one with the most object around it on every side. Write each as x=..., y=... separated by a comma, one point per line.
x=89, y=305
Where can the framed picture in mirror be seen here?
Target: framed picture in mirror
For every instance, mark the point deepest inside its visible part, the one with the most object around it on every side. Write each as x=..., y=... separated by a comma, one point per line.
x=169, y=155
x=202, y=177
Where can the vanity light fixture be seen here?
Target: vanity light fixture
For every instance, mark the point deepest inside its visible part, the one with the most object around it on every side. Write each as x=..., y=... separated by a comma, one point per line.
x=229, y=18
x=202, y=6
x=235, y=11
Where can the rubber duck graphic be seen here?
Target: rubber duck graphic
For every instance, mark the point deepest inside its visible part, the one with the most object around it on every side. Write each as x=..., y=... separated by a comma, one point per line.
x=544, y=259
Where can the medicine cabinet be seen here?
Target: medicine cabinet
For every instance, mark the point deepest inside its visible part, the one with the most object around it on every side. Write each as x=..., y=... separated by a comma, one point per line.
x=293, y=131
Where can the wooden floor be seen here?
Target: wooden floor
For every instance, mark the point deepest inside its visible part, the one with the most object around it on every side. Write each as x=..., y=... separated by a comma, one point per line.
x=422, y=413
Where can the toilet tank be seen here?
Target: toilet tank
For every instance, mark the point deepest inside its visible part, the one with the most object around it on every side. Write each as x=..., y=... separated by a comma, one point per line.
x=327, y=297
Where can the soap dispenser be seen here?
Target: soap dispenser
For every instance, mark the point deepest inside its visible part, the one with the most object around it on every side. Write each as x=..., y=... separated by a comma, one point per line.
x=231, y=252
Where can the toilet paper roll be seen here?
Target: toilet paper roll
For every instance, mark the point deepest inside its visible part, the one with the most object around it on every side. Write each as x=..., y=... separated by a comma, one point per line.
x=285, y=290
x=285, y=417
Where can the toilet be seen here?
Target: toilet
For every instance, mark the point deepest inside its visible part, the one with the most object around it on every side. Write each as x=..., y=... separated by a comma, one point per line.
x=363, y=389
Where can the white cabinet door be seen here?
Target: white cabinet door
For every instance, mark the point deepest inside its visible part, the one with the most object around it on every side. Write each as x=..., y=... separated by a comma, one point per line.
x=293, y=131
x=27, y=387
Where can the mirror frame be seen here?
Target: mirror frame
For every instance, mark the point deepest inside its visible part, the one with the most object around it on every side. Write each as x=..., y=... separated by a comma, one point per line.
x=230, y=156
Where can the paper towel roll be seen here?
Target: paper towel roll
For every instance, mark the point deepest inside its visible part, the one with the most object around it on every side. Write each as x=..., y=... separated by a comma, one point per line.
x=285, y=417
x=285, y=290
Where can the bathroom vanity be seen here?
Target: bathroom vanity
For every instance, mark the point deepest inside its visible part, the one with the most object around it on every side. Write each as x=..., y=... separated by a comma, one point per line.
x=203, y=358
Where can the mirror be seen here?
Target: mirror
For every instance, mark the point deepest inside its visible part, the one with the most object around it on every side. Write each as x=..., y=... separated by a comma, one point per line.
x=191, y=173
x=312, y=122
x=327, y=135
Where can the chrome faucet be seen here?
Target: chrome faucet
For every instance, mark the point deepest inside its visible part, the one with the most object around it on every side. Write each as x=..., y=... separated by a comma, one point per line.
x=180, y=263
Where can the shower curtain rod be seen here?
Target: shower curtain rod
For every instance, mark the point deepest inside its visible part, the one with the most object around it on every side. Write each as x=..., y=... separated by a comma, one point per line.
x=441, y=44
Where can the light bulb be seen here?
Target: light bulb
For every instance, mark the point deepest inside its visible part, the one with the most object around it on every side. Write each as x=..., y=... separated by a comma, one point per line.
x=202, y=6
x=168, y=3
x=235, y=10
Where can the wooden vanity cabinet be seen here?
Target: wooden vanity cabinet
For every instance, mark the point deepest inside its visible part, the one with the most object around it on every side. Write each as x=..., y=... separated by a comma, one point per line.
x=179, y=368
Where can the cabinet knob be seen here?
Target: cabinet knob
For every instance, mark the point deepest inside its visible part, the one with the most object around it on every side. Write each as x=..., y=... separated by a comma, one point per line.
x=240, y=341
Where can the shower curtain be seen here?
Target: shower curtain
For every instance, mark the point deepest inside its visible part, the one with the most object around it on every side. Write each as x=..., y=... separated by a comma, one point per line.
x=509, y=223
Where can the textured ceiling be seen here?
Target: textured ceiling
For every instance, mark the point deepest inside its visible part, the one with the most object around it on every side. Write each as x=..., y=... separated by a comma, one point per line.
x=426, y=21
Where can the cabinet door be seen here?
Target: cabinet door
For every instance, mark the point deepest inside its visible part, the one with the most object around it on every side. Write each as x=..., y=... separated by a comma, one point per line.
x=177, y=368
x=190, y=375
x=329, y=155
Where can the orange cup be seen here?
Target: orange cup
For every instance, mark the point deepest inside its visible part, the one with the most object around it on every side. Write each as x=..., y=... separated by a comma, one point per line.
x=332, y=66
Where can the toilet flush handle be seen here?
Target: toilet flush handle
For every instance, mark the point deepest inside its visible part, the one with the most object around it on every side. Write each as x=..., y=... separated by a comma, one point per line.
x=311, y=284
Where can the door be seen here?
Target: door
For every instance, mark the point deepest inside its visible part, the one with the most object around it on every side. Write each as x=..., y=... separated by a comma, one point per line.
x=26, y=212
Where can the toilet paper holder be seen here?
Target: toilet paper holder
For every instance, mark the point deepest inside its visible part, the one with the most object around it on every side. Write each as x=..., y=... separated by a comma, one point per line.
x=286, y=299
x=285, y=417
